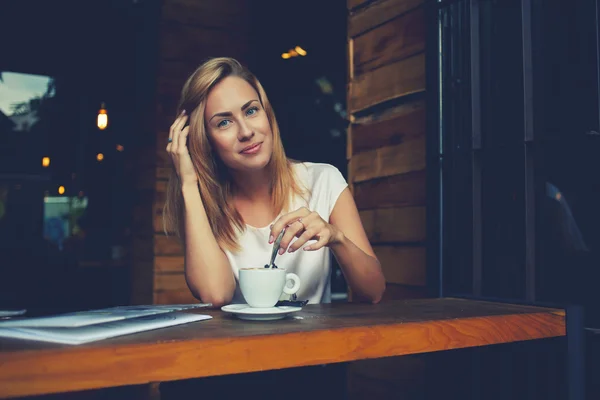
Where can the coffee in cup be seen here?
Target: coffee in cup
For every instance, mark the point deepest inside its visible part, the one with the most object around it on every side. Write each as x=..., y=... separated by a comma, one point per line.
x=262, y=287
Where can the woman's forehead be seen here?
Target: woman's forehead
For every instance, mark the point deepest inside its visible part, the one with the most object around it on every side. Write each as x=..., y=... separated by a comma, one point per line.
x=229, y=95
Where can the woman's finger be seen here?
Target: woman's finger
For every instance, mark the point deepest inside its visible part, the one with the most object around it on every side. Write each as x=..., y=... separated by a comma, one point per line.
x=292, y=231
x=175, y=124
x=182, y=143
x=286, y=220
x=323, y=239
x=308, y=234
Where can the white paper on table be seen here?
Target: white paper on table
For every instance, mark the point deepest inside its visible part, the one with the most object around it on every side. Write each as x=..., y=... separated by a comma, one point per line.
x=91, y=317
x=92, y=333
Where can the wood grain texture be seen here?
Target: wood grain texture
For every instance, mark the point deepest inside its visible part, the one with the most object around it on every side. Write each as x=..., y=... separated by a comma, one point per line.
x=174, y=297
x=389, y=82
x=378, y=13
x=393, y=41
x=386, y=225
x=351, y=4
x=224, y=345
x=406, y=157
x=168, y=282
x=408, y=122
x=168, y=264
x=404, y=265
x=395, y=292
x=167, y=245
x=399, y=190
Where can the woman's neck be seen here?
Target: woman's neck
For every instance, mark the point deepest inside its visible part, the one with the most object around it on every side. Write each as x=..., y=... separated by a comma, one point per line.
x=253, y=187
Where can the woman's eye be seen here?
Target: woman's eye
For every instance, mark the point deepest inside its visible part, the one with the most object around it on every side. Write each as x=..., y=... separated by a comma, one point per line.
x=252, y=111
x=223, y=123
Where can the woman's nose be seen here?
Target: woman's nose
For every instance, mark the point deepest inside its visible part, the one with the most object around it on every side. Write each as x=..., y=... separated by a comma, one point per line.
x=245, y=132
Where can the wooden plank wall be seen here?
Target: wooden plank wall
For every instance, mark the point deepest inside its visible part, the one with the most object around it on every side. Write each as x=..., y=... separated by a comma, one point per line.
x=386, y=156
x=386, y=140
x=190, y=32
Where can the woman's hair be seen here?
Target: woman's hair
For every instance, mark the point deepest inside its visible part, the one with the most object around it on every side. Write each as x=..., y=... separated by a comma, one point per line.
x=214, y=180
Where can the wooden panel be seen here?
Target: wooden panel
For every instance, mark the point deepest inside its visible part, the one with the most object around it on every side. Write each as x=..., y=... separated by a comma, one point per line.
x=170, y=282
x=402, y=292
x=175, y=297
x=225, y=14
x=167, y=245
x=352, y=4
x=406, y=224
x=395, y=40
x=386, y=161
x=399, y=190
x=168, y=264
x=403, y=265
x=389, y=82
x=378, y=13
x=194, y=44
x=328, y=333
x=408, y=123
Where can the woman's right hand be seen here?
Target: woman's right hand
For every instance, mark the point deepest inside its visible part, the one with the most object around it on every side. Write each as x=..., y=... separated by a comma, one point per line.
x=178, y=150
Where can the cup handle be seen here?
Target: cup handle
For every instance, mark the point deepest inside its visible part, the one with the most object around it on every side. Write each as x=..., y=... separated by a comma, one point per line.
x=295, y=279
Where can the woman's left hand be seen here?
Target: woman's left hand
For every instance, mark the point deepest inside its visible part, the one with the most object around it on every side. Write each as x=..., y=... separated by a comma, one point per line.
x=305, y=225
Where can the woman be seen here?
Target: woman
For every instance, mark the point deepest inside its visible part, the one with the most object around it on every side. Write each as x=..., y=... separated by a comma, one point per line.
x=233, y=190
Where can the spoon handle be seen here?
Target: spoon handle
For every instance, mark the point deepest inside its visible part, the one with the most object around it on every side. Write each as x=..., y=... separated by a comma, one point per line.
x=276, y=248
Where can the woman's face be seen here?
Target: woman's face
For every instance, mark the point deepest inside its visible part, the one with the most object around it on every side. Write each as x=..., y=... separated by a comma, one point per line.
x=238, y=125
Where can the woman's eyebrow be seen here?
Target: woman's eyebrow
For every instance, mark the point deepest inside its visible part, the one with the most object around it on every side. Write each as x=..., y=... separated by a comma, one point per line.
x=229, y=114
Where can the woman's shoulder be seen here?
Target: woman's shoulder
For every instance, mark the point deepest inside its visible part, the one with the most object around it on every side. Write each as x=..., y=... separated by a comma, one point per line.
x=315, y=175
x=315, y=170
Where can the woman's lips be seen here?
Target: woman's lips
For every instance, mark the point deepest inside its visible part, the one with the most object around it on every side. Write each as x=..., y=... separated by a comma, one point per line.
x=252, y=149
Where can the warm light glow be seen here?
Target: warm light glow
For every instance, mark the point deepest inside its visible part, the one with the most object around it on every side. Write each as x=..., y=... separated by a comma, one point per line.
x=102, y=118
x=120, y=147
x=61, y=190
x=99, y=156
x=300, y=50
x=46, y=162
x=295, y=52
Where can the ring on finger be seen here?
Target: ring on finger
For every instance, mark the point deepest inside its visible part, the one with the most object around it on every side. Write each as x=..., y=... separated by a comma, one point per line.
x=169, y=140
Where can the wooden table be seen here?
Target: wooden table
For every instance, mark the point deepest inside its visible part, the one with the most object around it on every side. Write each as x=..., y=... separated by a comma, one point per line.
x=319, y=334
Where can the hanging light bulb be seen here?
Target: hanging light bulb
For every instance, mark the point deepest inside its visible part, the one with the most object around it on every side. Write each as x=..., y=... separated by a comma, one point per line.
x=102, y=118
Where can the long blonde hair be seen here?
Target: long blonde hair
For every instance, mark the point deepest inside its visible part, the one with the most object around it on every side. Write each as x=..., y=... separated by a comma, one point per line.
x=214, y=181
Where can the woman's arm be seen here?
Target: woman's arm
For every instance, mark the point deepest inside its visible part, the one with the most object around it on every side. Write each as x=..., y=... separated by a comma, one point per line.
x=345, y=235
x=207, y=269
x=354, y=252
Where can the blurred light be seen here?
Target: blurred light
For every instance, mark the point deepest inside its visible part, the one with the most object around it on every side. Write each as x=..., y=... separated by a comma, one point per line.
x=300, y=50
x=293, y=53
x=285, y=56
x=80, y=193
x=61, y=190
x=120, y=147
x=102, y=118
x=99, y=156
x=45, y=162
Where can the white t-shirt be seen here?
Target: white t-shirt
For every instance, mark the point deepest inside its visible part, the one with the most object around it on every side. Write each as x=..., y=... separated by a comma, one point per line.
x=325, y=183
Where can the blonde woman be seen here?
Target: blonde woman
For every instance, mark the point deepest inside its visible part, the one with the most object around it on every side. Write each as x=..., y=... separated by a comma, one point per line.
x=233, y=190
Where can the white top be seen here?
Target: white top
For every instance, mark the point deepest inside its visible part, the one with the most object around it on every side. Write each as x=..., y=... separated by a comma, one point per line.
x=325, y=183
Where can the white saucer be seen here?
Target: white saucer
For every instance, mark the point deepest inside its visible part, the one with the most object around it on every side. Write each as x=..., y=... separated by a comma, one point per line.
x=244, y=311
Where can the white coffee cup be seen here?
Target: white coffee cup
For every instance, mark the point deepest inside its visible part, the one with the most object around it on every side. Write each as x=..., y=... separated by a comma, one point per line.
x=262, y=287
